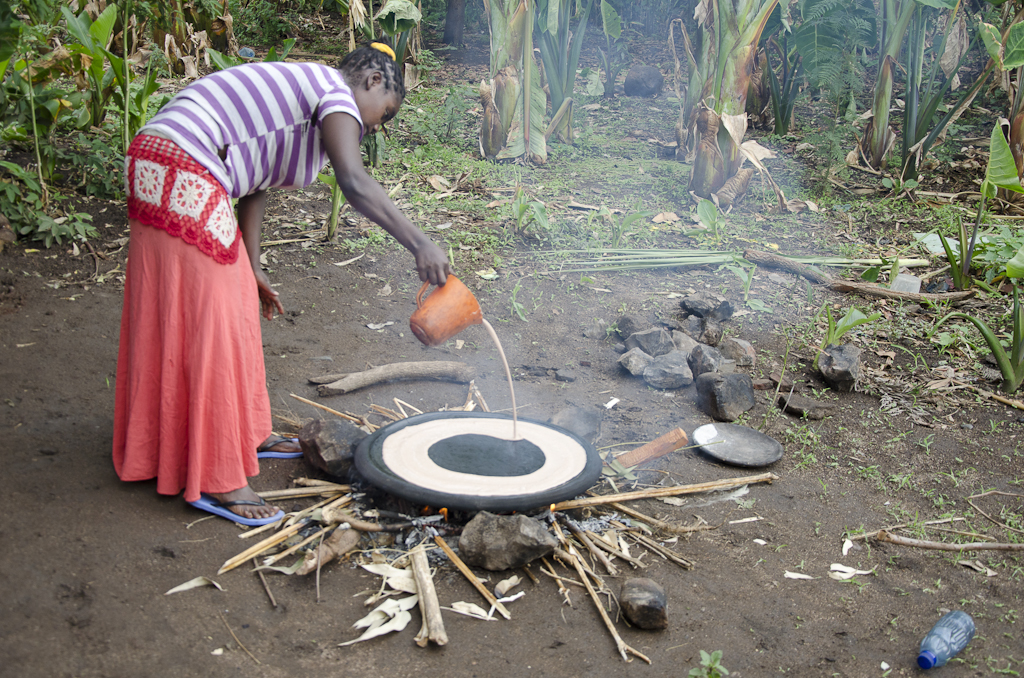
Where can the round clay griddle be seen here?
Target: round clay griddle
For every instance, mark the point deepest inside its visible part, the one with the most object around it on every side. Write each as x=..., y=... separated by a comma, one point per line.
x=737, y=445
x=467, y=461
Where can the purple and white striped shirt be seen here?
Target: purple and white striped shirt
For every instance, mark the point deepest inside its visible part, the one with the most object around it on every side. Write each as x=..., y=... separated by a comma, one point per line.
x=266, y=119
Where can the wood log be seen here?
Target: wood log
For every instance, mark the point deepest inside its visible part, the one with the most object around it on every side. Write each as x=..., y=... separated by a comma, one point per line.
x=335, y=546
x=769, y=260
x=471, y=578
x=434, y=369
x=943, y=546
x=670, y=442
x=433, y=626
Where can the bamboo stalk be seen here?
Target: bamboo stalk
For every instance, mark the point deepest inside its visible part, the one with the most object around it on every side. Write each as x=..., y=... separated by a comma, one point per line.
x=468, y=574
x=623, y=648
x=656, y=492
x=330, y=501
x=562, y=589
x=599, y=555
x=336, y=413
x=614, y=551
x=298, y=492
x=255, y=549
x=665, y=553
x=942, y=546
x=266, y=586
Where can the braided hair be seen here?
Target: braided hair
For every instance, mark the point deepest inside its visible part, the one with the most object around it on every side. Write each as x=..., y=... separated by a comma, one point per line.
x=359, y=63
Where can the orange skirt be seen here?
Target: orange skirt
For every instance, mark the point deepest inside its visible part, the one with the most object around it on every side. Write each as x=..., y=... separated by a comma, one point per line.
x=191, y=402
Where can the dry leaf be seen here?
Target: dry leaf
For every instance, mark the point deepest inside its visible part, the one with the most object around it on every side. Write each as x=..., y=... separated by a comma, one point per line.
x=506, y=585
x=396, y=623
x=470, y=610
x=797, y=575
x=666, y=218
x=385, y=291
x=843, y=572
x=498, y=203
x=847, y=545
x=380, y=326
x=488, y=274
x=193, y=584
x=762, y=542
x=439, y=183
x=349, y=261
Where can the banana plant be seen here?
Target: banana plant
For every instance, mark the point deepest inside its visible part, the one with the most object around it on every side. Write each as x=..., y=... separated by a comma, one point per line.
x=560, y=51
x=513, y=101
x=732, y=31
x=614, y=54
x=89, y=56
x=1007, y=54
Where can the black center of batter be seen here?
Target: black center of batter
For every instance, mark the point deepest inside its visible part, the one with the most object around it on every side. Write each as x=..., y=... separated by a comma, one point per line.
x=486, y=455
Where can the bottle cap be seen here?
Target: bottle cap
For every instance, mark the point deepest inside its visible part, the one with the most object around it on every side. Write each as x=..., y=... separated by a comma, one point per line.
x=926, y=659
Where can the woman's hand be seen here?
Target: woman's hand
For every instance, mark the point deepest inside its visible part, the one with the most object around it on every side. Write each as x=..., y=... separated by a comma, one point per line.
x=432, y=263
x=268, y=297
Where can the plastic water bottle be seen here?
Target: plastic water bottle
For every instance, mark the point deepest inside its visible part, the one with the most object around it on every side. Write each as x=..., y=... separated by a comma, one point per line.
x=949, y=635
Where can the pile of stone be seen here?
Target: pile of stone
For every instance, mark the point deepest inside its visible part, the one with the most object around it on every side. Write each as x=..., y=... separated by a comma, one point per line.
x=692, y=351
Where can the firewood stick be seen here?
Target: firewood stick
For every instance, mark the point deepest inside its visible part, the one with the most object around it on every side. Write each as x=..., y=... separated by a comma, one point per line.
x=266, y=586
x=942, y=546
x=431, y=369
x=468, y=574
x=316, y=482
x=585, y=539
x=563, y=555
x=337, y=545
x=659, y=447
x=551, y=573
x=430, y=608
x=402, y=403
x=292, y=549
x=479, y=396
x=661, y=524
x=383, y=411
x=616, y=552
x=623, y=648
x=228, y=627
x=561, y=580
x=656, y=492
x=870, y=535
x=297, y=492
x=256, y=549
x=529, y=573
x=658, y=549
x=347, y=417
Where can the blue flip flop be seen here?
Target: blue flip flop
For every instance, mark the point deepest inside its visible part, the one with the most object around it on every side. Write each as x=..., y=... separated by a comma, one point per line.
x=218, y=508
x=270, y=454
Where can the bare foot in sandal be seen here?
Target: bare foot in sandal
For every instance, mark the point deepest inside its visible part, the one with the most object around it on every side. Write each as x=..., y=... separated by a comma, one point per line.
x=276, y=443
x=258, y=509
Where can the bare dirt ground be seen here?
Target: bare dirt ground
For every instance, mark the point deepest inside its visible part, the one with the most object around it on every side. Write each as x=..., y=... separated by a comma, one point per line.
x=87, y=559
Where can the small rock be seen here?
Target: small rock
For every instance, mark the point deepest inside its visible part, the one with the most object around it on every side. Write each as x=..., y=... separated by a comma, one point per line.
x=840, y=366
x=247, y=53
x=722, y=312
x=535, y=370
x=802, y=406
x=584, y=422
x=700, y=304
x=644, y=603
x=565, y=375
x=704, y=359
x=329, y=444
x=596, y=329
x=684, y=342
x=786, y=383
x=904, y=282
x=619, y=348
x=627, y=325
x=763, y=384
x=727, y=366
x=669, y=371
x=643, y=81
x=725, y=396
x=692, y=326
x=967, y=427
x=711, y=332
x=654, y=342
x=739, y=350
x=635, y=361
x=504, y=542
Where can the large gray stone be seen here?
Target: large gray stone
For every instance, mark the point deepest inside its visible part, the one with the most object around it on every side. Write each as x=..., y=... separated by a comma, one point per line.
x=803, y=406
x=840, y=366
x=704, y=359
x=504, y=542
x=725, y=396
x=739, y=350
x=699, y=304
x=635, y=361
x=643, y=81
x=627, y=325
x=669, y=371
x=329, y=445
x=654, y=342
x=684, y=342
x=644, y=603
x=596, y=329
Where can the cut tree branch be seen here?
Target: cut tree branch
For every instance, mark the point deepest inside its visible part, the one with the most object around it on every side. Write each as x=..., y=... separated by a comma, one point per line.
x=433, y=369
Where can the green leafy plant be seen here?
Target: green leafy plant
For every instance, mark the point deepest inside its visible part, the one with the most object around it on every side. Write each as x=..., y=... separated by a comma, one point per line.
x=560, y=52
x=1011, y=366
x=337, y=200
x=786, y=91
x=853, y=318
x=711, y=218
x=710, y=666
x=23, y=202
x=614, y=55
x=89, y=57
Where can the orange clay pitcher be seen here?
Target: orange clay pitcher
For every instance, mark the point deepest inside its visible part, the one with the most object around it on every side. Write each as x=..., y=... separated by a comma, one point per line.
x=448, y=310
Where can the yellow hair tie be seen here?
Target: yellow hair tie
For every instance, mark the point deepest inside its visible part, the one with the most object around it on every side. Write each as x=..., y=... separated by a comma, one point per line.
x=381, y=47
